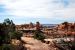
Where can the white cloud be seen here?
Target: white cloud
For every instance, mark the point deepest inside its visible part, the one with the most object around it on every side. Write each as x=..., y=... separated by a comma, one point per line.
x=39, y=8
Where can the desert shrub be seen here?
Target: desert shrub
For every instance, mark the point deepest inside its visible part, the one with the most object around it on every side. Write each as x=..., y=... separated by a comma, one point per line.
x=7, y=47
x=39, y=35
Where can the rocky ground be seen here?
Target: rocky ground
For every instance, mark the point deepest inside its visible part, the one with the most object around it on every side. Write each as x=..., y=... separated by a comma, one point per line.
x=33, y=44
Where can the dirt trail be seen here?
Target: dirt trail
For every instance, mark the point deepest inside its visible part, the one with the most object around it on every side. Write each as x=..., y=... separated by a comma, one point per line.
x=33, y=44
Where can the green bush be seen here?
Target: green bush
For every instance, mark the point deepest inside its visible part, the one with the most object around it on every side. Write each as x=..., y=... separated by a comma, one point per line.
x=39, y=35
x=6, y=47
x=8, y=32
x=15, y=35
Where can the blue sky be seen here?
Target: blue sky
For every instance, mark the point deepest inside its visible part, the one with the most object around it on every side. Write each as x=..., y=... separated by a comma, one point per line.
x=44, y=11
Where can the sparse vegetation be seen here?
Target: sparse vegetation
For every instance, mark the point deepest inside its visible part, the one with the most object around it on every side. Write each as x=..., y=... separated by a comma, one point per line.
x=7, y=33
x=39, y=35
x=6, y=47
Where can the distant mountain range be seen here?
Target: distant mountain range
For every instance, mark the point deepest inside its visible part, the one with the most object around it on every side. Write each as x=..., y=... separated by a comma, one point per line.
x=49, y=25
